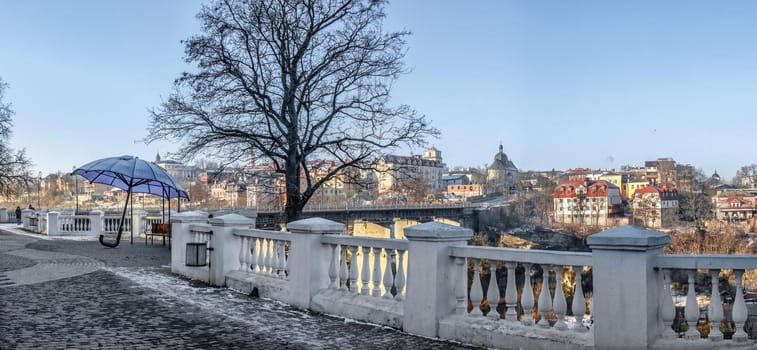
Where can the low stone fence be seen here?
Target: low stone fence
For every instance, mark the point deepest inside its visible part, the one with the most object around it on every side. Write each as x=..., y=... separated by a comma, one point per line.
x=433, y=284
x=62, y=222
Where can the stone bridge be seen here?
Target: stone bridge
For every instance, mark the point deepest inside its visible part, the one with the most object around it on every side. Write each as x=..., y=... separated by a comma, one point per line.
x=464, y=214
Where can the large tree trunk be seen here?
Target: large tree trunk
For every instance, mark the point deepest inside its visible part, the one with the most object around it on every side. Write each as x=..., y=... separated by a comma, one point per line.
x=294, y=201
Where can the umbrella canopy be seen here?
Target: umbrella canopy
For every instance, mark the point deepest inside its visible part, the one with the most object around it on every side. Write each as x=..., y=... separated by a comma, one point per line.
x=131, y=174
x=126, y=172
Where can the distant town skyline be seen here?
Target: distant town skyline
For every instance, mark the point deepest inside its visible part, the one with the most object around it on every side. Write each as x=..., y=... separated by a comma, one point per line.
x=560, y=84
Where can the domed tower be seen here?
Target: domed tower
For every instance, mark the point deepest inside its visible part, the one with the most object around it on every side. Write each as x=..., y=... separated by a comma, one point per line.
x=502, y=175
x=715, y=177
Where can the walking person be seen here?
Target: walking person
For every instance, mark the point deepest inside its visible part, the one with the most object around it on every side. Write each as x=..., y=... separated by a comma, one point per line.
x=18, y=215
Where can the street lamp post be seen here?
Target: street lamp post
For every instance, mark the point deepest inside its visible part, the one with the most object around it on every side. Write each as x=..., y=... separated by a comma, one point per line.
x=39, y=184
x=76, y=189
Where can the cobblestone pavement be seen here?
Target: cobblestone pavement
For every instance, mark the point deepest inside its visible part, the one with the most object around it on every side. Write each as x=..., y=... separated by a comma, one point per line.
x=132, y=301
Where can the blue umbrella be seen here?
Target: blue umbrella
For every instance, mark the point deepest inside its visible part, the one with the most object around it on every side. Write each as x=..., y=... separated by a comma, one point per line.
x=132, y=175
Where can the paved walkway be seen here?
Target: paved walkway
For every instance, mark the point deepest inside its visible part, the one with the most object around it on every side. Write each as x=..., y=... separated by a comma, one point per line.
x=62, y=294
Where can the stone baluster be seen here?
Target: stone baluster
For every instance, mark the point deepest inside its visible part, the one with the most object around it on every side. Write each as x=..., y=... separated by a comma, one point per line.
x=715, y=309
x=527, y=297
x=332, y=267
x=545, y=299
x=343, y=272
x=388, y=275
x=740, y=313
x=353, y=269
x=667, y=309
x=275, y=261
x=492, y=293
x=399, y=280
x=284, y=260
x=365, y=274
x=579, y=301
x=258, y=255
x=560, y=305
x=476, y=294
x=242, y=263
x=461, y=286
x=376, y=292
x=252, y=251
x=265, y=258
x=273, y=257
x=268, y=257
x=692, y=308
x=249, y=254
x=511, y=293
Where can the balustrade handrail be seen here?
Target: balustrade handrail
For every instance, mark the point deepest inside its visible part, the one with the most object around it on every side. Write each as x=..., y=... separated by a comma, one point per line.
x=274, y=235
x=707, y=261
x=534, y=256
x=386, y=243
x=201, y=228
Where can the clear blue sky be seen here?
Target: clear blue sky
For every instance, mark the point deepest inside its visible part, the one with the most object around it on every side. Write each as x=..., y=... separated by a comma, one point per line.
x=561, y=84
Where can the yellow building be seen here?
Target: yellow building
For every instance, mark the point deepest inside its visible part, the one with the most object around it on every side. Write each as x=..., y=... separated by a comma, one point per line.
x=615, y=179
x=630, y=186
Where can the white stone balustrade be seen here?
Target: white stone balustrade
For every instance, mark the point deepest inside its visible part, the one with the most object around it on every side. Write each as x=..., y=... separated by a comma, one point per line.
x=264, y=252
x=74, y=223
x=111, y=223
x=528, y=259
x=379, y=263
x=421, y=285
x=714, y=264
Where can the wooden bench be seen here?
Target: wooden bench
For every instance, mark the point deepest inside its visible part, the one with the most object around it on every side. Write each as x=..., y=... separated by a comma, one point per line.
x=160, y=230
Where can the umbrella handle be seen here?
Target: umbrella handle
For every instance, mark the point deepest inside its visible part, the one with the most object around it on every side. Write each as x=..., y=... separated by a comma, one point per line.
x=108, y=244
x=120, y=225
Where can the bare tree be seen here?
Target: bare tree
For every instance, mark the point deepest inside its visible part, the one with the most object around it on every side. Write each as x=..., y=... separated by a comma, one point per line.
x=290, y=81
x=14, y=165
x=645, y=210
x=746, y=176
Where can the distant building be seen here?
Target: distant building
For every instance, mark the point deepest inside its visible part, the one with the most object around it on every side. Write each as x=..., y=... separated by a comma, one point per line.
x=631, y=185
x=399, y=173
x=613, y=178
x=457, y=179
x=465, y=191
x=661, y=171
x=473, y=175
x=735, y=207
x=502, y=175
x=686, y=177
x=179, y=171
x=655, y=207
x=586, y=202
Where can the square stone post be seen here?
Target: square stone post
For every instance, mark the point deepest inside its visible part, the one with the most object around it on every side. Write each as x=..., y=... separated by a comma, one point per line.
x=52, y=223
x=180, y=235
x=309, y=258
x=25, y=214
x=626, y=291
x=96, y=222
x=225, y=254
x=3, y=215
x=431, y=277
x=137, y=222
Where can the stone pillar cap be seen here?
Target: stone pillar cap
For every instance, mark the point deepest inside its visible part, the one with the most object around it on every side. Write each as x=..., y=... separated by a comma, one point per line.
x=231, y=220
x=631, y=237
x=437, y=231
x=316, y=226
x=189, y=216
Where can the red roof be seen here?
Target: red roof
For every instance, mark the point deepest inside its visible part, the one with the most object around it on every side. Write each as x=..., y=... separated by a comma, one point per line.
x=568, y=189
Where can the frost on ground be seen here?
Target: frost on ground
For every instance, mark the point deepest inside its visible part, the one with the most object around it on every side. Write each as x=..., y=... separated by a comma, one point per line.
x=262, y=315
